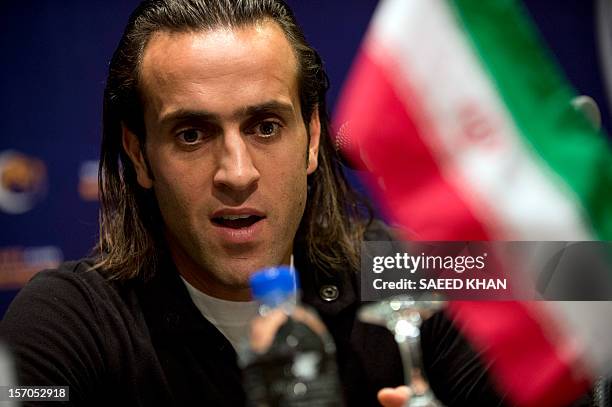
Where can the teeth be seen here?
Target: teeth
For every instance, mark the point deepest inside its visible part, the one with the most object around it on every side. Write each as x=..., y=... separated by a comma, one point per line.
x=234, y=217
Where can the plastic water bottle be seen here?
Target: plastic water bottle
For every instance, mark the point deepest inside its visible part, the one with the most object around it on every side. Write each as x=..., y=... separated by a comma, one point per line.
x=289, y=358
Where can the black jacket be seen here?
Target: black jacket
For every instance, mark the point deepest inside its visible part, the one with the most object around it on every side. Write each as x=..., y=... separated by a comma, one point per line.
x=145, y=343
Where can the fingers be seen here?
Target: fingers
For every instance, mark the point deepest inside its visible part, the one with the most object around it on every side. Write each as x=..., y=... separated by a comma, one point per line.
x=263, y=330
x=394, y=397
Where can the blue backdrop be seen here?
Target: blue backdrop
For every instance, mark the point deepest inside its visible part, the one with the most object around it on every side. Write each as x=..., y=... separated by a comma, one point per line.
x=55, y=56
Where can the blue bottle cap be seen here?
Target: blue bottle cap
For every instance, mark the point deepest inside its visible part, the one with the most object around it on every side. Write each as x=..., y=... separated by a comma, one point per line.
x=276, y=281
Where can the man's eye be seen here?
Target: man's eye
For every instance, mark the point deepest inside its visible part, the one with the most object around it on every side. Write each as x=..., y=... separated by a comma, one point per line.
x=267, y=129
x=190, y=136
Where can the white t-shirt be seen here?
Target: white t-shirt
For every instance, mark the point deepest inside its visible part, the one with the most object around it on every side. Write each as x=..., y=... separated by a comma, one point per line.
x=232, y=318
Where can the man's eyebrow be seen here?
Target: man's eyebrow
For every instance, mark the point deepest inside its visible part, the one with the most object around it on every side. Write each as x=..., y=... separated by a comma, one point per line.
x=267, y=107
x=183, y=115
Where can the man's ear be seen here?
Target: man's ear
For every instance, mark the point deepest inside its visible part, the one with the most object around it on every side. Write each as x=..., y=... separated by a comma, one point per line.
x=314, y=128
x=132, y=147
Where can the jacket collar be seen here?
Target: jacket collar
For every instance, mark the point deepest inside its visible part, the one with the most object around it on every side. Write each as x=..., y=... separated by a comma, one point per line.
x=328, y=293
x=168, y=307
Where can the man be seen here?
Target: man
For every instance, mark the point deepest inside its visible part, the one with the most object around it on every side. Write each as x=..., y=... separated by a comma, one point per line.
x=216, y=161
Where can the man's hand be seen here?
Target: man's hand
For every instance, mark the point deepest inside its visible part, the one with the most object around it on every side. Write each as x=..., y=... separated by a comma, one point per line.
x=394, y=397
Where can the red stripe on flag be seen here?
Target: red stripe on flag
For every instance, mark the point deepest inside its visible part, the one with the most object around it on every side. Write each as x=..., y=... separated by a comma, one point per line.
x=517, y=339
x=404, y=173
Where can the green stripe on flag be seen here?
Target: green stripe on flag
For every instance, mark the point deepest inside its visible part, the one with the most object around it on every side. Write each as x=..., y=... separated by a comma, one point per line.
x=538, y=97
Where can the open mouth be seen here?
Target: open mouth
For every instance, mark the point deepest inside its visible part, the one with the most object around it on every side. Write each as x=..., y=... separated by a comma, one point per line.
x=236, y=221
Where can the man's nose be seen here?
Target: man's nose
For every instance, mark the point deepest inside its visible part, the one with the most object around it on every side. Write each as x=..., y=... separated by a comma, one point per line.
x=236, y=170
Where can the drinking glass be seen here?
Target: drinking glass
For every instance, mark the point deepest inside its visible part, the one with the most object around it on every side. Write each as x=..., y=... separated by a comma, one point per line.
x=403, y=316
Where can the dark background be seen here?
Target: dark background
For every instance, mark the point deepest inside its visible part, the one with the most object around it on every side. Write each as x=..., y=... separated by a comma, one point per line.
x=54, y=60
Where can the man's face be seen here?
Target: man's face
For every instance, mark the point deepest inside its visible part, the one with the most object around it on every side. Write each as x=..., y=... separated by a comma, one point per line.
x=228, y=151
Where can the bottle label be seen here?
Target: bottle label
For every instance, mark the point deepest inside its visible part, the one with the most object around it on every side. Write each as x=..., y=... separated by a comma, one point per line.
x=296, y=370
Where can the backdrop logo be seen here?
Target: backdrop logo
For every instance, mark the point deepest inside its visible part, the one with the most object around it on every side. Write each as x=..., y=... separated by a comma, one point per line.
x=88, y=180
x=19, y=264
x=23, y=182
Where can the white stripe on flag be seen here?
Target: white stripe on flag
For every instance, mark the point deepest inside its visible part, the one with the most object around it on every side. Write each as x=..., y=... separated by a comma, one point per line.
x=587, y=331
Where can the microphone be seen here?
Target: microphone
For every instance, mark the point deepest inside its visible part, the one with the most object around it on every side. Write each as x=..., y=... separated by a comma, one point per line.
x=588, y=107
x=7, y=376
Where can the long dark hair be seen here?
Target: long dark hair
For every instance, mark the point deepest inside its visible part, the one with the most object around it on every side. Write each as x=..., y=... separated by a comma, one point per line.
x=130, y=223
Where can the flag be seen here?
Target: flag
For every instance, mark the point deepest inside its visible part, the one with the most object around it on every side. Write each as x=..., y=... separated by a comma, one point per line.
x=465, y=125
